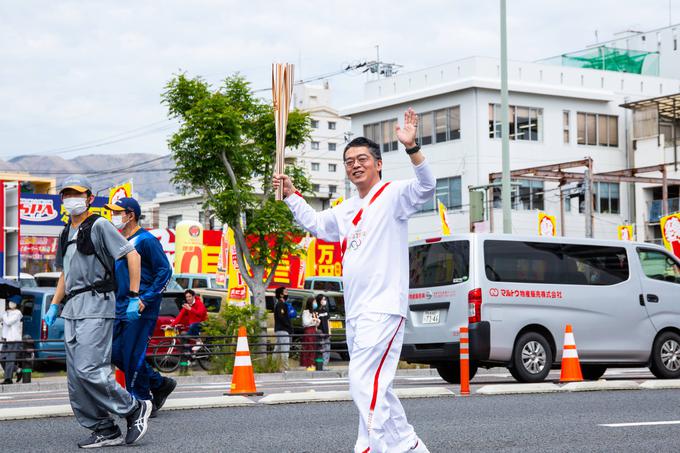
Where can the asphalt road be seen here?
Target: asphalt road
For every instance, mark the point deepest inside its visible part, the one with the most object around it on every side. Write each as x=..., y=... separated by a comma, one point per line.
x=562, y=422
x=483, y=377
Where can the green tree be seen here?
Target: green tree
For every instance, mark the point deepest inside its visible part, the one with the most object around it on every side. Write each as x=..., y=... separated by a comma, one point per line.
x=225, y=148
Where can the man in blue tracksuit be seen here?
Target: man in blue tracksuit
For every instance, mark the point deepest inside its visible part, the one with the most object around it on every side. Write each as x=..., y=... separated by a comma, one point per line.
x=132, y=330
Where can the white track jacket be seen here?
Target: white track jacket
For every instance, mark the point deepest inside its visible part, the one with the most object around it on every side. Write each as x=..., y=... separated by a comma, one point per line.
x=373, y=232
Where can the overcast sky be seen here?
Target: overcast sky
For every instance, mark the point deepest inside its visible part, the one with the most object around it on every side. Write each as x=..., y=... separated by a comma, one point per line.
x=81, y=77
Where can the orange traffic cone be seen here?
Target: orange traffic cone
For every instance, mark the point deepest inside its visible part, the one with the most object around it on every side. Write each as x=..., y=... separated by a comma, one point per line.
x=120, y=377
x=243, y=378
x=571, y=368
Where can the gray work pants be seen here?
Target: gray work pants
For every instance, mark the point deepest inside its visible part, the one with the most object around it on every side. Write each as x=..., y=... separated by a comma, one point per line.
x=283, y=346
x=92, y=386
x=326, y=350
x=9, y=355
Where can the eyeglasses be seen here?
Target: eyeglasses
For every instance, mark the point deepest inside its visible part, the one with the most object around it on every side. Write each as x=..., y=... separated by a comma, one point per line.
x=362, y=159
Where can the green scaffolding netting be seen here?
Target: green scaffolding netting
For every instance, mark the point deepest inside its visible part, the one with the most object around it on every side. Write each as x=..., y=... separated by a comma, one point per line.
x=611, y=59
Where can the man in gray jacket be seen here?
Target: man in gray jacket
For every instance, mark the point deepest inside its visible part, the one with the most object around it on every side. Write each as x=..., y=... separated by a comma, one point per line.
x=86, y=252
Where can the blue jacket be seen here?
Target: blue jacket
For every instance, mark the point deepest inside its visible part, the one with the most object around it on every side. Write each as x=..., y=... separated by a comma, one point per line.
x=155, y=274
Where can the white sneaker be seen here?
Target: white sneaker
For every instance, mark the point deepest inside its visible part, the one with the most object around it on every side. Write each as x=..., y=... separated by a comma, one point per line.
x=419, y=447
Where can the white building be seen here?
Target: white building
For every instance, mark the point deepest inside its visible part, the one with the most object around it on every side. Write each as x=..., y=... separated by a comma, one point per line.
x=321, y=156
x=557, y=114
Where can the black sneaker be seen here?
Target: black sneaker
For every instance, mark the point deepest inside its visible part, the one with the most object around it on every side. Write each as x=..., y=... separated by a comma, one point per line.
x=7, y=381
x=161, y=394
x=106, y=438
x=138, y=421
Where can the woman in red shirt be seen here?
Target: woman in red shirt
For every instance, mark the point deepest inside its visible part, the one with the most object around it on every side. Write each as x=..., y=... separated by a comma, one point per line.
x=193, y=313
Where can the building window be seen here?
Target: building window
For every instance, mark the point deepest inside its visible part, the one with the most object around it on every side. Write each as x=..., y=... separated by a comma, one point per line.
x=315, y=187
x=332, y=146
x=565, y=126
x=332, y=168
x=439, y=126
x=595, y=129
x=173, y=220
x=524, y=123
x=315, y=145
x=332, y=188
x=526, y=196
x=448, y=191
x=331, y=125
x=314, y=124
x=606, y=198
x=383, y=133
x=315, y=166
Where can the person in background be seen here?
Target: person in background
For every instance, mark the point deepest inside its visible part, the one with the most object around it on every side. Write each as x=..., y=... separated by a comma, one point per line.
x=131, y=331
x=283, y=328
x=11, y=335
x=310, y=321
x=325, y=339
x=193, y=313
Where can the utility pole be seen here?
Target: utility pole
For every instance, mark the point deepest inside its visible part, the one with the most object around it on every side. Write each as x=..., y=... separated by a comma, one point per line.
x=588, y=189
x=505, y=130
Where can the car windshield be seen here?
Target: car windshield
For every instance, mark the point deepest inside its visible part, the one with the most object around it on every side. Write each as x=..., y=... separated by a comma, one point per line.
x=440, y=263
x=173, y=286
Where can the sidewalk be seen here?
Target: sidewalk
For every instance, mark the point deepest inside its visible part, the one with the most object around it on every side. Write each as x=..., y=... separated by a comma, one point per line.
x=202, y=377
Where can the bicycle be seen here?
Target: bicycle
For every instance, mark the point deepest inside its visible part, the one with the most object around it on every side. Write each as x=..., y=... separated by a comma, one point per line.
x=170, y=351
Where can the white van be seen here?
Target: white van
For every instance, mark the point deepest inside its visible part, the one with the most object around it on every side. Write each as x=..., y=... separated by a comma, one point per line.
x=517, y=294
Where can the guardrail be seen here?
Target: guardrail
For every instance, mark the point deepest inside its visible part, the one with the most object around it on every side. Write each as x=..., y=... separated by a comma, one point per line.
x=181, y=347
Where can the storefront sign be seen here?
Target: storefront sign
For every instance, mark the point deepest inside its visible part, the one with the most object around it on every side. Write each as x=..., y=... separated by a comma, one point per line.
x=38, y=247
x=670, y=230
x=625, y=232
x=47, y=210
x=547, y=225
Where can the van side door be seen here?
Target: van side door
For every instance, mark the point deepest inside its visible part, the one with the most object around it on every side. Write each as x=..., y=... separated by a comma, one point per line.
x=660, y=277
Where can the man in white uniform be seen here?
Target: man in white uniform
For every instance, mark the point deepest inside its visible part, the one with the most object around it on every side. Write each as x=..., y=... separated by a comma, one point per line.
x=373, y=231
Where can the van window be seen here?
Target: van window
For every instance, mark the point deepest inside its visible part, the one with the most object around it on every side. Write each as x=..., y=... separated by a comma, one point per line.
x=438, y=264
x=212, y=303
x=169, y=307
x=308, y=284
x=199, y=283
x=659, y=266
x=321, y=285
x=183, y=282
x=563, y=264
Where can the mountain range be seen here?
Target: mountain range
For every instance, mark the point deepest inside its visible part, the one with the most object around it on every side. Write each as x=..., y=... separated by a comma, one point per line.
x=150, y=173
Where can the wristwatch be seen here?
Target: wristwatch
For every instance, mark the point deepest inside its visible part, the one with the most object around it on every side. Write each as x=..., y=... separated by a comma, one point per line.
x=133, y=294
x=413, y=150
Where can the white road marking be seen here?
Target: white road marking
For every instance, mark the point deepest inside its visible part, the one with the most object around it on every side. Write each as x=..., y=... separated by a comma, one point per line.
x=625, y=425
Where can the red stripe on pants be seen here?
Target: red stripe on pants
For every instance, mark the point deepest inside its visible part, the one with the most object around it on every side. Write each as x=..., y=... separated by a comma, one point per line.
x=376, y=379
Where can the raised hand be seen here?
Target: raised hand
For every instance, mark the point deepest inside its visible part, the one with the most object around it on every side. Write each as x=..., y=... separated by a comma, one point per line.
x=407, y=134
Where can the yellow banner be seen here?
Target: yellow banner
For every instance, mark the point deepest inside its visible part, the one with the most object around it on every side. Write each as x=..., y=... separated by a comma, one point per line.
x=237, y=290
x=446, y=230
x=547, y=226
x=121, y=191
x=670, y=231
x=625, y=232
x=188, y=247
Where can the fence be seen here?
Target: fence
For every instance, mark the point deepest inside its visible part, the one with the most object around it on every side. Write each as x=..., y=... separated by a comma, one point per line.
x=168, y=353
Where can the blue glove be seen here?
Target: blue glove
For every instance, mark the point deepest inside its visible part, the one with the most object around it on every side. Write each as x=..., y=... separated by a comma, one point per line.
x=51, y=315
x=132, y=311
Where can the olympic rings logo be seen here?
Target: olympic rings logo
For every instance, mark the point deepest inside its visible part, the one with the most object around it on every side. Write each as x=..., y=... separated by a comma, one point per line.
x=355, y=244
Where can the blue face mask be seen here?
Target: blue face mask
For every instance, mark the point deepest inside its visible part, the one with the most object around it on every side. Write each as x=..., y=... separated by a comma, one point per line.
x=315, y=305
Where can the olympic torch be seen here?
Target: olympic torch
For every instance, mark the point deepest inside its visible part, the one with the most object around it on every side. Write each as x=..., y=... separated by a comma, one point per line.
x=282, y=91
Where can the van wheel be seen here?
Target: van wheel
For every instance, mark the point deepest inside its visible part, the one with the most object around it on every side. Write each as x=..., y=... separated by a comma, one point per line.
x=450, y=371
x=532, y=358
x=592, y=372
x=666, y=356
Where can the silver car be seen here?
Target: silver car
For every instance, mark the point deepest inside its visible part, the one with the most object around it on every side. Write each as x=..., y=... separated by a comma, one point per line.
x=517, y=294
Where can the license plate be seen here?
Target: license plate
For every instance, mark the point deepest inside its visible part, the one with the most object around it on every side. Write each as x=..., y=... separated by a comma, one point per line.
x=431, y=317
x=336, y=324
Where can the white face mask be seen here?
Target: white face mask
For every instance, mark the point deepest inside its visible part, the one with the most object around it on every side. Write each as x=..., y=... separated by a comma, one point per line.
x=118, y=222
x=75, y=206
x=12, y=305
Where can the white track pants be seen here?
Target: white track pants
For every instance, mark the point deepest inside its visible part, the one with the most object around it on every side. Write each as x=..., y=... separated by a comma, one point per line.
x=374, y=341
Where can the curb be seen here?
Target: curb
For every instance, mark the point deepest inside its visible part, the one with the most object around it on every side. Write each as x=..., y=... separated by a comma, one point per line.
x=600, y=385
x=661, y=384
x=52, y=384
x=518, y=389
x=64, y=410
